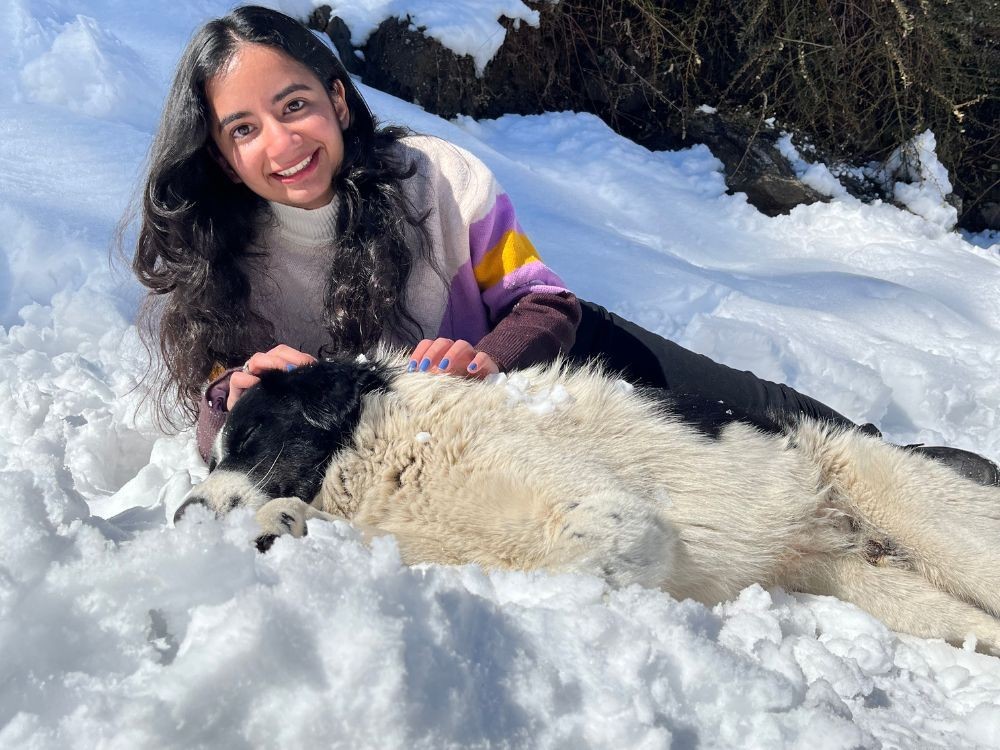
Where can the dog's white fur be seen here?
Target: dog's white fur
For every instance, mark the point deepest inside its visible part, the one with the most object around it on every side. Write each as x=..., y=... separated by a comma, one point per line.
x=607, y=483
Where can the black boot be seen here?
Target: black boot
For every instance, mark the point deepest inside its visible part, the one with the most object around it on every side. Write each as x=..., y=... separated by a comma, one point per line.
x=970, y=465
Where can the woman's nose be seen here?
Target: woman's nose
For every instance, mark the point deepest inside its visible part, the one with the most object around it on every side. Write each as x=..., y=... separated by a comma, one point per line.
x=281, y=140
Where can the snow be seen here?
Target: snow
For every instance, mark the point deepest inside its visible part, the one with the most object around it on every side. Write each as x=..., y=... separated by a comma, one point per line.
x=816, y=174
x=119, y=631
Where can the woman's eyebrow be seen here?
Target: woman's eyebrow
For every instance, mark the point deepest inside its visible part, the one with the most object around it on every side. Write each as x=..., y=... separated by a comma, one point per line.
x=289, y=89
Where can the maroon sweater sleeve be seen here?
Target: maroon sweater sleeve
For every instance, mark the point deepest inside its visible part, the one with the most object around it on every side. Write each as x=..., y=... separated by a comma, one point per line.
x=537, y=328
x=212, y=413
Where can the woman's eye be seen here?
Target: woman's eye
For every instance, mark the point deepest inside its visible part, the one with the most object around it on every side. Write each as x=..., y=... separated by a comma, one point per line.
x=240, y=131
x=295, y=105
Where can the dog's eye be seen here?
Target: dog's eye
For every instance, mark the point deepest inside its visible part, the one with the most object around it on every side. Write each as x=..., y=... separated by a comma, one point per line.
x=240, y=441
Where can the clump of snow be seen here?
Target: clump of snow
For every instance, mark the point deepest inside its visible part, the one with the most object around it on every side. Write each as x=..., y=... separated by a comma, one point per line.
x=920, y=181
x=912, y=174
x=814, y=174
x=538, y=399
x=624, y=386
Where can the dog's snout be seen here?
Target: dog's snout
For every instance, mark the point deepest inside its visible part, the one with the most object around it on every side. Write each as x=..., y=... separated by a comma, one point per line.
x=179, y=513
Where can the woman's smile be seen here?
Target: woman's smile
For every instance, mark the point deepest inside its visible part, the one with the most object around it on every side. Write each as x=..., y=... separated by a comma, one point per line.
x=299, y=170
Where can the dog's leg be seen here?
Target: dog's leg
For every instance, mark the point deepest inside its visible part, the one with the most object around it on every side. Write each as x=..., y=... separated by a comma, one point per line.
x=614, y=535
x=904, y=600
x=285, y=515
x=503, y=521
x=942, y=525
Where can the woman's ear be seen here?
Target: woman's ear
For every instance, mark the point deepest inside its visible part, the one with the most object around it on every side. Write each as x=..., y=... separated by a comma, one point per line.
x=338, y=96
x=223, y=164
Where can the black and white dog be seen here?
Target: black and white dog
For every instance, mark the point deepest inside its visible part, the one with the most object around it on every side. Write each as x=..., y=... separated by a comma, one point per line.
x=570, y=470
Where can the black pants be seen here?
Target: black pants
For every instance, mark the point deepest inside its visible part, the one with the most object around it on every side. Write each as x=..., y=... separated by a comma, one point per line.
x=646, y=359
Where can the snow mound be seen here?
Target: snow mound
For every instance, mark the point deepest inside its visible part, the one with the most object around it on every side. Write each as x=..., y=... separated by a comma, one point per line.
x=920, y=181
x=88, y=70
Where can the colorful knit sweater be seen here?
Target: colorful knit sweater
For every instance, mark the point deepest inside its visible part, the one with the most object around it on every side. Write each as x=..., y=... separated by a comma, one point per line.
x=500, y=296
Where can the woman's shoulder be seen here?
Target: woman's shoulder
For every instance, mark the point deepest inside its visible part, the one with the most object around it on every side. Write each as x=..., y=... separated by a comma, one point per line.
x=449, y=168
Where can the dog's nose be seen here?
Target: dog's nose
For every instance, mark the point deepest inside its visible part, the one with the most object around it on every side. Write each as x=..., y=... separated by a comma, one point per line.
x=179, y=513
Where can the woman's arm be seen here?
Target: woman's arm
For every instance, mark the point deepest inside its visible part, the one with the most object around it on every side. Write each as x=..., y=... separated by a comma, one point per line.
x=538, y=328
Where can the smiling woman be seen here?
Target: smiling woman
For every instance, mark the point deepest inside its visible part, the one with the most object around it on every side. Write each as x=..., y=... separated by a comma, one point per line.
x=279, y=222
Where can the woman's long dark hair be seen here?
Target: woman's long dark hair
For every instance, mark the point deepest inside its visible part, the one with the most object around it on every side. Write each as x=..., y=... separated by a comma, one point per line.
x=195, y=223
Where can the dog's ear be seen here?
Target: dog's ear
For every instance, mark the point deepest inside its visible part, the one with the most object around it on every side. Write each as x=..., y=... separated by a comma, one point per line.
x=333, y=401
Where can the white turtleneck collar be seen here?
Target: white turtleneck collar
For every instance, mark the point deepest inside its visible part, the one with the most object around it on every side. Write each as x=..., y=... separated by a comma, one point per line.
x=309, y=226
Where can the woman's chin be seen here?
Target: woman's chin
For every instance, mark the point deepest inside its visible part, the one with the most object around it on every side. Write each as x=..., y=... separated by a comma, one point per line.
x=305, y=198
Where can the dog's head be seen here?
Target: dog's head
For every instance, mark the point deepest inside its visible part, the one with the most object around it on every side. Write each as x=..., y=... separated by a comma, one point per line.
x=280, y=436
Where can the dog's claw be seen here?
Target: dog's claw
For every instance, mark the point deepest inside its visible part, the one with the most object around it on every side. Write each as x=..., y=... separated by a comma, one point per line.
x=264, y=541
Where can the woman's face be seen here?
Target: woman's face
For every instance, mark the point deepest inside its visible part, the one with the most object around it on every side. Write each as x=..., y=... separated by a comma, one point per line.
x=277, y=129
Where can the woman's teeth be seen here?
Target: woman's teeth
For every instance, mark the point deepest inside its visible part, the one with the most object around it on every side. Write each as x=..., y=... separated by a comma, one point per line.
x=297, y=168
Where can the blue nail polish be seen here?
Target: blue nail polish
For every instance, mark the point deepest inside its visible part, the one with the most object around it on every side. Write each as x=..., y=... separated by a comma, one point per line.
x=289, y=367
x=412, y=366
x=473, y=367
x=444, y=364
x=424, y=364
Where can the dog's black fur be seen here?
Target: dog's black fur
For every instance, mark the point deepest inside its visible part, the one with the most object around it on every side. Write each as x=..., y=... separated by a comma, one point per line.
x=302, y=417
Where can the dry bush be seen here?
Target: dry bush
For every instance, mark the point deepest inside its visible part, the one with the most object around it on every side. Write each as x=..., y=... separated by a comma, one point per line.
x=858, y=77
x=863, y=76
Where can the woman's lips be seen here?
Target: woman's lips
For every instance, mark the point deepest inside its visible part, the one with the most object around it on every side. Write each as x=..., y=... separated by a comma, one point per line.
x=311, y=162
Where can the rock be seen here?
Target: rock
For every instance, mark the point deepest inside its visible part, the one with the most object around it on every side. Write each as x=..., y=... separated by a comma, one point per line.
x=752, y=162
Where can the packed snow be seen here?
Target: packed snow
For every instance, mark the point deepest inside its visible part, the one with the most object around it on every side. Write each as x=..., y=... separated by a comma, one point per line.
x=118, y=630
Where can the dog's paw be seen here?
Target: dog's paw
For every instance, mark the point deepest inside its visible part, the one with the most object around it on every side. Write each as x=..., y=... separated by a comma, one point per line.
x=618, y=537
x=283, y=515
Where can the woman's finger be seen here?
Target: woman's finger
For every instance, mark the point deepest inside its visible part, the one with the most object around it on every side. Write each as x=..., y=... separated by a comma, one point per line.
x=418, y=354
x=457, y=358
x=432, y=356
x=291, y=356
x=260, y=362
x=239, y=381
x=481, y=366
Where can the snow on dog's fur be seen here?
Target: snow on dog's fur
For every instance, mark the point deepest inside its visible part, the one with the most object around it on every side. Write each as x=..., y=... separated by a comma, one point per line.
x=573, y=471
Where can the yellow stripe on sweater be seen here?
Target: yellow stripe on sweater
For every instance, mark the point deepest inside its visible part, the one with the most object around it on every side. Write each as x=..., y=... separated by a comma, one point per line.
x=510, y=253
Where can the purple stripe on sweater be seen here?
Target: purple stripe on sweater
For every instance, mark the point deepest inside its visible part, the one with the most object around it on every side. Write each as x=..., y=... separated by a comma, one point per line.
x=465, y=317
x=489, y=230
x=534, y=277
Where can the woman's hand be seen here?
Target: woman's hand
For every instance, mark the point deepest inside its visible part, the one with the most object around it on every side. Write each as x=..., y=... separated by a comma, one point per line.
x=448, y=357
x=281, y=357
